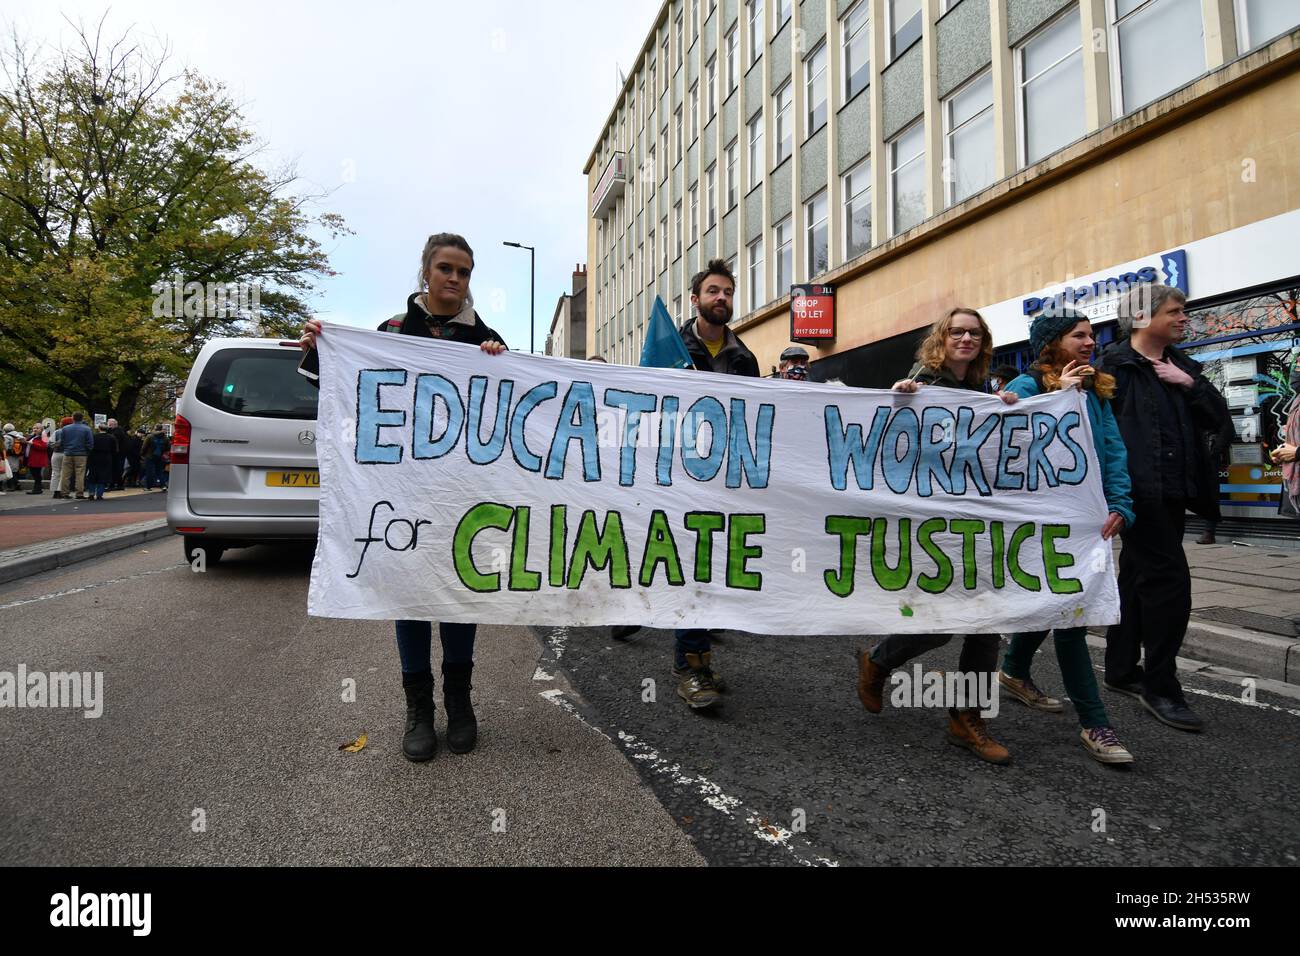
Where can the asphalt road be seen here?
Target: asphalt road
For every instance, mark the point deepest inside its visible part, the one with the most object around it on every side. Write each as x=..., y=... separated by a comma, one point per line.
x=791, y=744
x=221, y=695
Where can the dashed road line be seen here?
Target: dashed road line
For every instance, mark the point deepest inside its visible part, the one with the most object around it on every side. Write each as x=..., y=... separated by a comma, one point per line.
x=89, y=587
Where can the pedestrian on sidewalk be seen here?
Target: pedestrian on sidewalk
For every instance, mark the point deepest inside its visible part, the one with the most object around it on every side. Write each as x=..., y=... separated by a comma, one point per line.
x=1285, y=454
x=955, y=354
x=119, y=455
x=14, y=441
x=56, y=459
x=442, y=309
x=99, y=476
x=38, y=457
x=134, y=443
x=1064, y=344
x=1165, y=407
x=151, y=459
x=78, y=442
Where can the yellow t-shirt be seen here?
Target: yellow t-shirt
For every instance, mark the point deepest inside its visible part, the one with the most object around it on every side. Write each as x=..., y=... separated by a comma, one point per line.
x=715, y=347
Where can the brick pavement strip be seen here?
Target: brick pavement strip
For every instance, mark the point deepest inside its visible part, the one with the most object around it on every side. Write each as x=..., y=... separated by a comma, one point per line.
x=41, y=556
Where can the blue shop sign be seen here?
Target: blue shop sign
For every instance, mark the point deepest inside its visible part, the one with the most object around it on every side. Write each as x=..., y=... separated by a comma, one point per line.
x=1171, y=271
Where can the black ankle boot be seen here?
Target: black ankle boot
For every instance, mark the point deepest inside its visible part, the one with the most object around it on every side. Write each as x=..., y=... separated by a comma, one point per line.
x=462, y=728
x=420, y=742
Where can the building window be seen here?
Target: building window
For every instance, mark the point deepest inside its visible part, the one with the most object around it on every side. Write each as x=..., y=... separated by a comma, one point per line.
x=815, y=71
x=650, y=260
x=648, y=175
x=664, y=60
x=677, y=309
x=694, y=193
x=677, y=215
x=729, y=156
x=681, y=133
x=907, y=178
x=856, y=50
x=710, y=197
x=1146, y=33
x=733, y=55
x=653, y=84
x=756, y=149
x=857, y=210
x=904, y=25
x=782, y=10
x=711, y=87
x=695, y=111
x=1050, y=105
x=783, y=236
x=663, y=245
x=781, y=101
x=681, y=43
x=756, y=38
x=1259, y=21
x=818, y=238
x=968, y=146
x=757, y=288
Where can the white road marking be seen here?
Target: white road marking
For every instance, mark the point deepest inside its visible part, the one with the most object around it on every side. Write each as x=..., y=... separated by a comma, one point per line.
x=707, y=790
x=88, y=587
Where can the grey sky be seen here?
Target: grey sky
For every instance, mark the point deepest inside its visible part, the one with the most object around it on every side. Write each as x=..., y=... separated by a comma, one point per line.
x=423, y=116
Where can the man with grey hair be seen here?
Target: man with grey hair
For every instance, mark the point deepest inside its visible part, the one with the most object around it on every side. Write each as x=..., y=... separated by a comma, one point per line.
x=1165, y=408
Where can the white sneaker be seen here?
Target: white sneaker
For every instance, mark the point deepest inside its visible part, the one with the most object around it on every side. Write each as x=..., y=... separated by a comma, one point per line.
x=1102, y=745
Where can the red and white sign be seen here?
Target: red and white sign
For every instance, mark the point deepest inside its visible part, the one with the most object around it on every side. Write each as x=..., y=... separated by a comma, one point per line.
x=812, y=312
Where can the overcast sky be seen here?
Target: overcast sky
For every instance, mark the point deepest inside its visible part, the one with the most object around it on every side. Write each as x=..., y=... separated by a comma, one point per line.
x=472, y=117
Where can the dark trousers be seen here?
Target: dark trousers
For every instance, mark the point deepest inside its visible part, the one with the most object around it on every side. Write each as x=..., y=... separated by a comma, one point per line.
x=691, y=640
x=38, y=476
x=979, y=652
x=415, y=645
x=1155, y=599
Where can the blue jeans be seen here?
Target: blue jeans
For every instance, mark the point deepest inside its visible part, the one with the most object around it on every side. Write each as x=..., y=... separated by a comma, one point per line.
x=1076, y=669
x=415, y=645
x=693, y=640
x=153, y=473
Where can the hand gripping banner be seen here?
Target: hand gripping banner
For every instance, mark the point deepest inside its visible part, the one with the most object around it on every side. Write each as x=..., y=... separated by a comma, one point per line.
x=514, y=489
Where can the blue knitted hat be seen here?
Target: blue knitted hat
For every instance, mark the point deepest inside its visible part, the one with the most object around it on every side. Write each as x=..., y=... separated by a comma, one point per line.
x=1050, y=326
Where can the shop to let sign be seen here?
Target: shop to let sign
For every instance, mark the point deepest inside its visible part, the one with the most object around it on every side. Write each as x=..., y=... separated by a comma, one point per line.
x=812, y=312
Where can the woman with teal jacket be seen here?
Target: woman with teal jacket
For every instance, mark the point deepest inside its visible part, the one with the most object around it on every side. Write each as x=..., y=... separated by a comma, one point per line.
x=1064, y=344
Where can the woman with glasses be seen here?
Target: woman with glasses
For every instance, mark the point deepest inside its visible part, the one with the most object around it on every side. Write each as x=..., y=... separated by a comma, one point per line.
x=956, y=354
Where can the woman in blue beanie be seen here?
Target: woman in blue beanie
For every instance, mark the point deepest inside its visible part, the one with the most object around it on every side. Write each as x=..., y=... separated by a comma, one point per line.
x=1064, y=344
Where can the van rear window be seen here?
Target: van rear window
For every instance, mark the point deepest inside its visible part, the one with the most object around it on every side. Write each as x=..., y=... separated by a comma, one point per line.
x=260, y=383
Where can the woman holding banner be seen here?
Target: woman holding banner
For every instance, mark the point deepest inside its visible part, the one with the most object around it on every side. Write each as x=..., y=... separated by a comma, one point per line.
x=442, y=309
x=1064, y=345
x=956, y=354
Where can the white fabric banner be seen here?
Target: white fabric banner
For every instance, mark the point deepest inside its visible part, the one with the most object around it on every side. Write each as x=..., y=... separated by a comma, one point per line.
x=516, y=489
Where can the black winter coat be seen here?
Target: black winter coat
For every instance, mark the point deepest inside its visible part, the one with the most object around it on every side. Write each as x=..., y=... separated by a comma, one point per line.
x=1206, y=426
x=734, y=359
x=99, y=466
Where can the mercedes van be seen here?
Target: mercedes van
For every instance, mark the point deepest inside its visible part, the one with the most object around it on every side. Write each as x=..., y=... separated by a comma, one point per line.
x=243, y=456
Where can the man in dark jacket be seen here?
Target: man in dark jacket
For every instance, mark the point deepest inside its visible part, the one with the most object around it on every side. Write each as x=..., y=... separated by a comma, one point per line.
x=119, y=457
x=713, y=348
x=1165, y=407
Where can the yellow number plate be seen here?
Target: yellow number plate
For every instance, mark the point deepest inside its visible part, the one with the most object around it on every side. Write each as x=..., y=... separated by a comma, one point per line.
x=293, y=479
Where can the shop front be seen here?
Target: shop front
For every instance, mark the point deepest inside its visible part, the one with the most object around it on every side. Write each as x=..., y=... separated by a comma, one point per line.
x=1243, y=289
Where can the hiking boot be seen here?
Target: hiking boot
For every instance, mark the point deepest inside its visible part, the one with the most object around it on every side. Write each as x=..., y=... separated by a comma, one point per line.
x=1027, y=692
x=871, y=682
x=1173, y=712
x=695, y=683
x=1103, y=746
x=420, y=742
x=966, y=729
x=1206, y=538
x=462, y=727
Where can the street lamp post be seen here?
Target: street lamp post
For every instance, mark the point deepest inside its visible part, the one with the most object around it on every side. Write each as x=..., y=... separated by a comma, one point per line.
x=532, y=292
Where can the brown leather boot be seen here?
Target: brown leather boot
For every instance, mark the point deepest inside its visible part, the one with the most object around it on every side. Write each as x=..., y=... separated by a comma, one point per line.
x=871, y=682
x=966, y=729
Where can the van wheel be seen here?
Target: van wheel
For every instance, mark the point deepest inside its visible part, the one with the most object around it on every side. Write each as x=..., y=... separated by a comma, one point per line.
x=212, y=551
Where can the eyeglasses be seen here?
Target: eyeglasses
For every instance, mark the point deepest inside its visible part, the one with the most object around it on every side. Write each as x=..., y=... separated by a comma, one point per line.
x=958, y=334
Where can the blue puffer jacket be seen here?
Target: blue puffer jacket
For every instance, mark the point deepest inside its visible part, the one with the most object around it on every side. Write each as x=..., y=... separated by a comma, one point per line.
x=1111, y=452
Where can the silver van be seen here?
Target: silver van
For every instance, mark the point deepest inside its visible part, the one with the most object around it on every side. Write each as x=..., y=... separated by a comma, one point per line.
x=243, y=457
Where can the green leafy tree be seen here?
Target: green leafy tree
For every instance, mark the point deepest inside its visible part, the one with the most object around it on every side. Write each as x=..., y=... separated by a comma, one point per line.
x=119, y=182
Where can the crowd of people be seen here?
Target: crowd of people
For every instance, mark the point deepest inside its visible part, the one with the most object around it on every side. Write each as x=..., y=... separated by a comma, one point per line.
x=1158, y=427
x=84, y=462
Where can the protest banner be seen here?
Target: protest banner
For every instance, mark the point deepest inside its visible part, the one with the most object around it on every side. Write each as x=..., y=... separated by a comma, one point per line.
x=515, y=489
